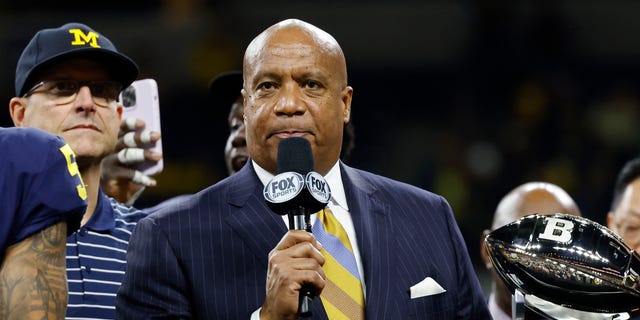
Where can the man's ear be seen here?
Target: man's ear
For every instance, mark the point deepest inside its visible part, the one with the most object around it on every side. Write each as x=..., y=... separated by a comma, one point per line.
x=483, y=251
x=347, y=95
x=17, y=109
x=245, y=99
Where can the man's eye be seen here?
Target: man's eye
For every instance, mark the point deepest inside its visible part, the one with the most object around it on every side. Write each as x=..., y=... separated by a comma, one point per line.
x=633, y=228
x=310, y=84
x=267, y=86
x=104, y=91
x=98, y=90
x=64, y=86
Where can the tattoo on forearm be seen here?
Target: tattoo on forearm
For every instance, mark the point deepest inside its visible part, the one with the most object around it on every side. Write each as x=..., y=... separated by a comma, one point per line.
x=33, y=279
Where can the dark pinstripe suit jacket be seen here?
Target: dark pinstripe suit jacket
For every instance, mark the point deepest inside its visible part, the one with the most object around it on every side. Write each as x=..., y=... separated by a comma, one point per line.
x=206, y=257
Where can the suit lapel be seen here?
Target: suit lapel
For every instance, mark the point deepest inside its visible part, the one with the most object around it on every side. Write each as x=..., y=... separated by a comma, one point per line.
x=259, y=227
x=372, y=225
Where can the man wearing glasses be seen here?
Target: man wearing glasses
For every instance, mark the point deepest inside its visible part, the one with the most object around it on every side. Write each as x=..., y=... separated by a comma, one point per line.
x=67, y=82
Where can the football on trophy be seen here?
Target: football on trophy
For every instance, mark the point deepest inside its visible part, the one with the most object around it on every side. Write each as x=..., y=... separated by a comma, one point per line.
x=568, y=260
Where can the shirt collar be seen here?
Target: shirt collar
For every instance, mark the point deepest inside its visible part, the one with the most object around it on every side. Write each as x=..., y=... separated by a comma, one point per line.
x=103, y=216
x=333, y=177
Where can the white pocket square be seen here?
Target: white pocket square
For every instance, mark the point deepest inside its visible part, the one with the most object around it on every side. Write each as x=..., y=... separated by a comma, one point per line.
x=426, y=287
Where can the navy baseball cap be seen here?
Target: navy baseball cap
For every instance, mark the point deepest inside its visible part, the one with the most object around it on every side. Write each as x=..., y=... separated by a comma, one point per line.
x=224, y=89
x=72, y=40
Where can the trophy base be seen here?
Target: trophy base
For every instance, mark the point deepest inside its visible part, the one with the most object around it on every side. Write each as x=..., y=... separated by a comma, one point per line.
x=530, y=307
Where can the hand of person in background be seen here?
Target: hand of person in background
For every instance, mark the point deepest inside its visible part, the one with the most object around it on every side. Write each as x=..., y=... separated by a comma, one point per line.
x=120, y=179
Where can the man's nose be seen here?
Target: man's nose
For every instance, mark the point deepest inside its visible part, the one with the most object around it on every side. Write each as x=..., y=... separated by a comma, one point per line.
x=84, y=99
x=239, y=139
x=290, y=102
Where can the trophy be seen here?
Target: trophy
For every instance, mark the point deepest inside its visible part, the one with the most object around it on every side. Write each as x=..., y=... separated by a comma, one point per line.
x=569, y=261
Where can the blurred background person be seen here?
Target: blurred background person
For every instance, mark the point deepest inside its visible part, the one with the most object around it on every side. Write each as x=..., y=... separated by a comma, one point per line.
x=624, y=215
x=225, y=94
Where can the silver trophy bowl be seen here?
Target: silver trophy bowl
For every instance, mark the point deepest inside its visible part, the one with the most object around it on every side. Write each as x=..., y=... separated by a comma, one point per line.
x=567, y=260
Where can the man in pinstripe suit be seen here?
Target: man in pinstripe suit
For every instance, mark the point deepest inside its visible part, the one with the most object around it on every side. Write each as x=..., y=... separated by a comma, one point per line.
x=222, y=253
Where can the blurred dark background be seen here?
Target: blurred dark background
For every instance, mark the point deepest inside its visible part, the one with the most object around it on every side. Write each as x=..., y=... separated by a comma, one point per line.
x=465, y=98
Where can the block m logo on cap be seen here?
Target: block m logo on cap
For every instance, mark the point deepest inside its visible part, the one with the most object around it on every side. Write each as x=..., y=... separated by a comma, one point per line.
x=81, y=39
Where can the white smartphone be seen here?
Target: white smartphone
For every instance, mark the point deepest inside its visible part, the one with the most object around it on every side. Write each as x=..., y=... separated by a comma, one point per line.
x=140, y=100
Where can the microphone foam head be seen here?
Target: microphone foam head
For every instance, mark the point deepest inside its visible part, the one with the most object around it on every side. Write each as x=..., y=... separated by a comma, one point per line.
x=294, y=155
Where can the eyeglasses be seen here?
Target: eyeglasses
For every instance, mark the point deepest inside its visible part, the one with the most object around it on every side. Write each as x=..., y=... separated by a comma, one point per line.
x=65, y=91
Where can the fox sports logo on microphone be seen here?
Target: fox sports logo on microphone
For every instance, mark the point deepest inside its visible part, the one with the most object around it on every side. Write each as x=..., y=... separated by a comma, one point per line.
x=284, y=187
x=318, y=187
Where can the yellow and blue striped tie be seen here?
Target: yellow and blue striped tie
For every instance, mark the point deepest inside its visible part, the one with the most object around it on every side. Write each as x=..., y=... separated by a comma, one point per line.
x=342, y=296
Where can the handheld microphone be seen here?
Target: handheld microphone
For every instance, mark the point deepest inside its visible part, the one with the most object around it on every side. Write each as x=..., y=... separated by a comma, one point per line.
x=297, y=191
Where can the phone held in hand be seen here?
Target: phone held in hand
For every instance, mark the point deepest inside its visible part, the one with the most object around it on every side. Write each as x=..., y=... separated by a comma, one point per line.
x=140, y=100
